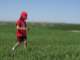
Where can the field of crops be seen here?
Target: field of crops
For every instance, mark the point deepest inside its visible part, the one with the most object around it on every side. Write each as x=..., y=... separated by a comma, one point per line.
x=45, y=42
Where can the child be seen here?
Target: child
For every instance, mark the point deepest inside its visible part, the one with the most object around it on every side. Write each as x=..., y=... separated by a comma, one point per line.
x=21, y=30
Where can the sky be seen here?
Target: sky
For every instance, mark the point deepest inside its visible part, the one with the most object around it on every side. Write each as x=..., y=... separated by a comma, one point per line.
x=62, y=11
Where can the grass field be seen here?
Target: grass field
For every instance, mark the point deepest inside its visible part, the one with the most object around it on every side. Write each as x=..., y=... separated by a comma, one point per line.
x=44, y=43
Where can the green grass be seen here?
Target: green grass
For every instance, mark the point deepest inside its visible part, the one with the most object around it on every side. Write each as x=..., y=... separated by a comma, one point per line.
x=44, y=43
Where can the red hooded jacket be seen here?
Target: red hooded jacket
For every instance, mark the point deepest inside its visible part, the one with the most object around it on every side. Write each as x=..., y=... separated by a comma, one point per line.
x=21, y=23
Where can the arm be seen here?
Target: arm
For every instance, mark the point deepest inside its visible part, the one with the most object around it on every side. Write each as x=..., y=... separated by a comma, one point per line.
x=20, y=28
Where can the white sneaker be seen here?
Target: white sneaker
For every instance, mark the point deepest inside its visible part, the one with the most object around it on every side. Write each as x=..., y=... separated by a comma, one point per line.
x=13, y=49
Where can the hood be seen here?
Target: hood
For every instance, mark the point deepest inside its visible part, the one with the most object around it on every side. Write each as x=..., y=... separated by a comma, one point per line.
x=23, y=15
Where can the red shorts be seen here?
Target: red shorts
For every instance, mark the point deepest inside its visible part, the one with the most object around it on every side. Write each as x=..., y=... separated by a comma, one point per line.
x=21, y=38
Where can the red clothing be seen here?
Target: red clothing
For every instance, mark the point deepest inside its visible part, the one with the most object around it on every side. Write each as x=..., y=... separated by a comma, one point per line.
x=21, y=33
x=21, y=23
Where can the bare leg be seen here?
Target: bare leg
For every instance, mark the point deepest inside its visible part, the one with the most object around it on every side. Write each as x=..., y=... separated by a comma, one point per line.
x=25, y=43
x=15, y=46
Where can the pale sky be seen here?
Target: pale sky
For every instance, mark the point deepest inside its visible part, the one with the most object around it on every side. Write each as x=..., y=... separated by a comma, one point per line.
x=67, y=11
